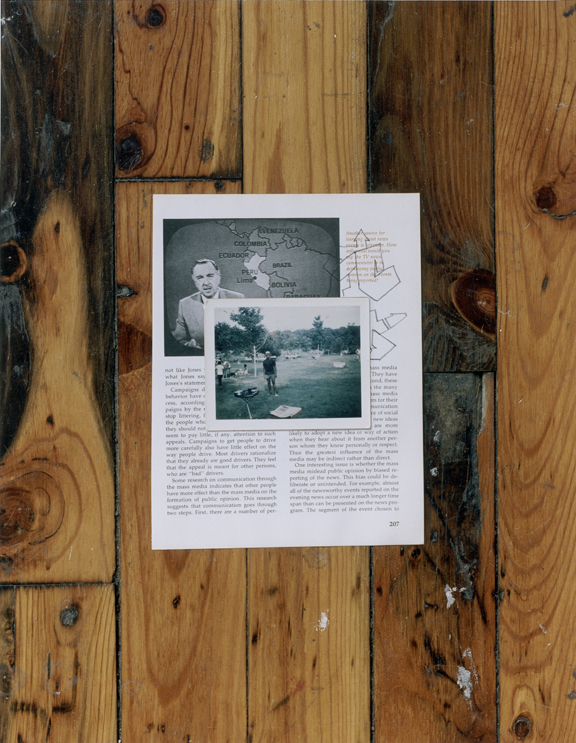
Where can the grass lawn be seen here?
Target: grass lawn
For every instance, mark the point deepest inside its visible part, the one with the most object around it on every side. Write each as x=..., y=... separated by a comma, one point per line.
x=316, y=386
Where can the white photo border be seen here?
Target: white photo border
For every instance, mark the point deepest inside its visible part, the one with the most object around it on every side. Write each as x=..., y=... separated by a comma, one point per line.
x=288, y=424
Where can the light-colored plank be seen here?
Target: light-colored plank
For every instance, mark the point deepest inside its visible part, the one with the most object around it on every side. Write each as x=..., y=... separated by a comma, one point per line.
x=178, y=88
x=309, y=634
x=434, y=608
x=56, y=481
x=304, y=84
x=535, y=57
x=183, y=612
x=431, y=132
x=60, y=680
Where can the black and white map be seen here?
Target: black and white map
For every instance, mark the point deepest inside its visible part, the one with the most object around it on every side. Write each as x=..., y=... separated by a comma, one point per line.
x=273, y=258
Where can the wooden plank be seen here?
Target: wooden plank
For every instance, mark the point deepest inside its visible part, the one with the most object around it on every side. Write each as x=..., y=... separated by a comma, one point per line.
x=434, y=608
x=304, y=83
x=183, y=612
x=309, y=631
x=178, y=88
x=7, y=603
x=304, y=131
x=59, y=674
x=535, y=109
x=56, y=480
x=431, y=131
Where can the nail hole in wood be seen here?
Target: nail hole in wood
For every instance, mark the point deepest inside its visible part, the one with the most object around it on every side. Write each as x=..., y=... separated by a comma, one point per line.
x=545, y=198
x=129, y=153
x=13, y=262
x=69, y=616
x=474, y=296
x=155, y=17
x=522, y=728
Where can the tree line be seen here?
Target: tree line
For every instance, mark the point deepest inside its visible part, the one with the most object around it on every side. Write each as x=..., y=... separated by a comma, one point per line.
x=249, y=332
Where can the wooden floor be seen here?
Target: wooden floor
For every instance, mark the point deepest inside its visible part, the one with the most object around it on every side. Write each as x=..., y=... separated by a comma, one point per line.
x=469, y=637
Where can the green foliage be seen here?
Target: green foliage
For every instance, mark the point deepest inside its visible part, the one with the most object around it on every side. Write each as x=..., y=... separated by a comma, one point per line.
x=249, y=331
x=253, y=332
x=317, y=333
x=227, y=338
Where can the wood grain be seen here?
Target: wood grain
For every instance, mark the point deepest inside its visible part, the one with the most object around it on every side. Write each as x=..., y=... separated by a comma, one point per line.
x=304, y=83
x=56, y=128
x=58, y=653
x=56, y=483
x=304, y=131
x=535, y=109
x=434, y=607
x=14, y=363
x=309, y=632
x=430, y=131
x=178, y=88
x=56, y=479
x=183, y=612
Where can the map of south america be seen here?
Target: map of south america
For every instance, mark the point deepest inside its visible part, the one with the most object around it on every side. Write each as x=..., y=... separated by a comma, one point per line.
x=259, y=258
x=286, y=259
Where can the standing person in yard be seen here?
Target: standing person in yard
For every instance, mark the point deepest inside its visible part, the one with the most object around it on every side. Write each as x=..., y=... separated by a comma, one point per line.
x=219, y=372
x=270, y=373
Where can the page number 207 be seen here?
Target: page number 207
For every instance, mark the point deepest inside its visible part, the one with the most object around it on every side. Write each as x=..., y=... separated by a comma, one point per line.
x=394, y=523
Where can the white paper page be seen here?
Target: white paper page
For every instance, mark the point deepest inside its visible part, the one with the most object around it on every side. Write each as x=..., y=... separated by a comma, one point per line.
x=294, y=323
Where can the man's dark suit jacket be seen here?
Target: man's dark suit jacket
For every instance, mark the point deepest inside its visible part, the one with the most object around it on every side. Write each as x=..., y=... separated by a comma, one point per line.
x=190, y=320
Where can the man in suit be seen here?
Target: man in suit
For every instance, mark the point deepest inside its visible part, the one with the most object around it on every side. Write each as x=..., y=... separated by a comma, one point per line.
x=189, y=328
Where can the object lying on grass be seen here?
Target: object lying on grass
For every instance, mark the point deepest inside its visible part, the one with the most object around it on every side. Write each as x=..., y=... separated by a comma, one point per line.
x=285, y=411
x=339, y=364
x=247, y=393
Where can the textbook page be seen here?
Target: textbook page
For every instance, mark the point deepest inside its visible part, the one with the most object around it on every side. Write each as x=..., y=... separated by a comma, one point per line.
x=287, y=371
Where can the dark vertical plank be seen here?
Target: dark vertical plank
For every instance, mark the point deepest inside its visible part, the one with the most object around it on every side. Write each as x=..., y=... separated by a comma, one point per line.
x=535, y=199
x=178, y=101
x=434, y=607
x=430, y=131
x=56, y=480
x=7, y=648
x=183, y=612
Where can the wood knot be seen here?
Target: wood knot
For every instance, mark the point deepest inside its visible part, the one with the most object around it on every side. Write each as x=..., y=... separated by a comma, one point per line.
x=522, y=727
x=16, y=515
x=69, y=616
x=13, y=262
x=545, y=198
x=31, y=512
x=135, y=348
x=155, y=17
x=129, y=153
x=474, y=296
